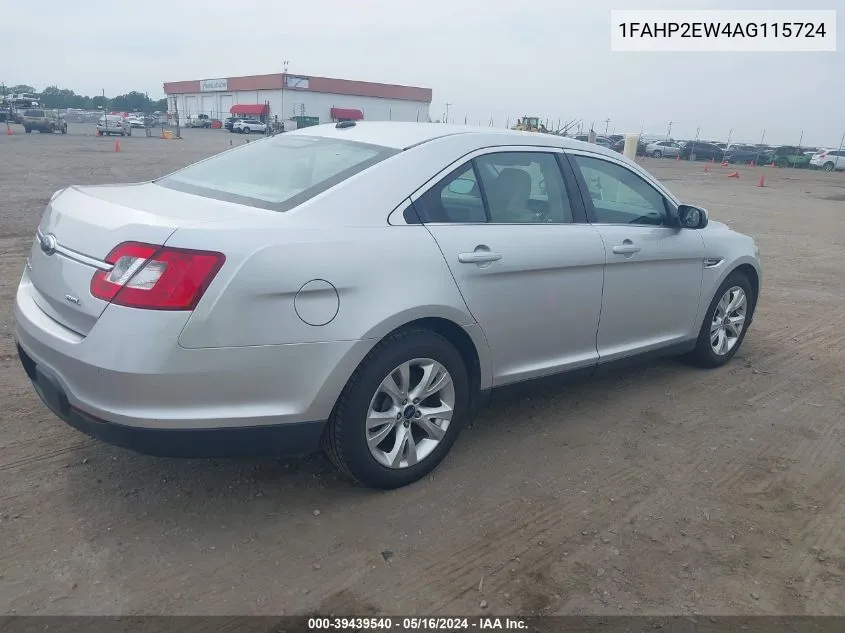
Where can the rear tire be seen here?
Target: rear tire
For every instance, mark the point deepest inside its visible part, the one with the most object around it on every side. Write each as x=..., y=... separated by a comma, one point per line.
x=692, y=156
x=346, y=437
x=657, y=154
x=704, y=355
x=828, y=166
x=246, y=130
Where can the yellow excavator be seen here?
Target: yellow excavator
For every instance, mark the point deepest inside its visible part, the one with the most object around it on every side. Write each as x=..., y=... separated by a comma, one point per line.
x=530, y=124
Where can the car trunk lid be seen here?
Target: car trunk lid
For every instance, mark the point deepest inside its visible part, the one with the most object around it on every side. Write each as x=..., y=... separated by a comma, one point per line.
x=82, y=225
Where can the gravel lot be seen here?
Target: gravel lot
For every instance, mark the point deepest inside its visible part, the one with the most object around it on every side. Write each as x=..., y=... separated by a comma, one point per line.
x=663, y=489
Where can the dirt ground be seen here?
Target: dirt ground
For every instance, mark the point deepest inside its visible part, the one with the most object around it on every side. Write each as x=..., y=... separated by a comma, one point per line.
x=656, y=490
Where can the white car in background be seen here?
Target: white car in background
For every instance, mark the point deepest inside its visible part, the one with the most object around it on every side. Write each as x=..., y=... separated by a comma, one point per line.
x=246, y=126
x=659, y=149
x=829, y=159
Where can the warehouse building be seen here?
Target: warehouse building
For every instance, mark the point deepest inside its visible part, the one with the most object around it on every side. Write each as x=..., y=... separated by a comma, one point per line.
x=289, y=96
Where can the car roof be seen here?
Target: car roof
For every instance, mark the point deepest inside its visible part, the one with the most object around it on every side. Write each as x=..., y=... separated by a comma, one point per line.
x=403, y=136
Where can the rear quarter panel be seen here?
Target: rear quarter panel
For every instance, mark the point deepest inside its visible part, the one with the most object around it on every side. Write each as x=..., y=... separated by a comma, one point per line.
x=382, y=278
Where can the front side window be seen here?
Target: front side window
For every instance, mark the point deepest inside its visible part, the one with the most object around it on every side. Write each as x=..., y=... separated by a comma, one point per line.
x=619, y=195
x=278, y=173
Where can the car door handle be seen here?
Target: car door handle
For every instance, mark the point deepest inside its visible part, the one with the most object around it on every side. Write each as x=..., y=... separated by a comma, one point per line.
x=626, y=248
x=479, y=257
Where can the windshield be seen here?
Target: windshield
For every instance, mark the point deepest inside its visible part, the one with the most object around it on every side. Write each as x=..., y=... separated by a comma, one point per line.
x=277, y=173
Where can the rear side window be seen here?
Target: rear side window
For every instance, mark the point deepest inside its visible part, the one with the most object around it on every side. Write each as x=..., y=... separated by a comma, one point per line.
x=34, y=113
x=277, y=173
x=500, y=188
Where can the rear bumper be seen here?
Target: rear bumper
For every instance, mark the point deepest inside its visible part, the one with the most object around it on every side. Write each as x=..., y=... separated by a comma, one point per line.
x=130, y=371
x=280, y=439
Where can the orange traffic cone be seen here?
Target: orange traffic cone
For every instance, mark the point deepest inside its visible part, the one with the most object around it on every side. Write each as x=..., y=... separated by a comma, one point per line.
x=677, y=157
x=733, y=174
x=772, y=164
x=117, y=146
x=8, y=130
x=724, y=163
x=762, y=181
x=705, y=168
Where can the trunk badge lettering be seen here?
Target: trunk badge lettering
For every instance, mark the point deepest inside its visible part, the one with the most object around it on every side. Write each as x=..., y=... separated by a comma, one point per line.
x=49, y=244
x=72, y=299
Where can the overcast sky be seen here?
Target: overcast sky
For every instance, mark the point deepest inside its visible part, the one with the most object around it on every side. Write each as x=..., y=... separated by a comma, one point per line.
x=487, y=58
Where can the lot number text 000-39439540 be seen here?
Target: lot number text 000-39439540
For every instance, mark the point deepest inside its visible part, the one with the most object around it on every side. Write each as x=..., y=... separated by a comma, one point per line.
x=739, y=31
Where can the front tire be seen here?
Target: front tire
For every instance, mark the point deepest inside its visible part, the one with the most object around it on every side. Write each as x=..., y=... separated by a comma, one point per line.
x=657, y=154
x=725, y=323
x=828, y=166
x=246, y=130
x=400, y=412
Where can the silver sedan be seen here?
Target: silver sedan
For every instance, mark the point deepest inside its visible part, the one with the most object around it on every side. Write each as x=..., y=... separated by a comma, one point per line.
x=361, y=286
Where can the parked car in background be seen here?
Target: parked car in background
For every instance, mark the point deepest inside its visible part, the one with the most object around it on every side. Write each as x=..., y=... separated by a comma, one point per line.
x=247, y=126
x=229, y=121
x=744, y=154
x=113, y=124
x=135, y=122
x=658, y=149
x=524, y=266
x=201, y=121
x=43, y=121
x=698, y=150
x=619, y=146
x=604, y=141
x=829, y=159
x=790, y=156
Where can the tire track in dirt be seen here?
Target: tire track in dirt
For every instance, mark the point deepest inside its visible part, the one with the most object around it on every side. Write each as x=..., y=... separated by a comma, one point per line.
x=457, y=577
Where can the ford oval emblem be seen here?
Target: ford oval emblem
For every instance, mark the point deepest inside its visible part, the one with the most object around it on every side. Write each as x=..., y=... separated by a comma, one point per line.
x=48, y=244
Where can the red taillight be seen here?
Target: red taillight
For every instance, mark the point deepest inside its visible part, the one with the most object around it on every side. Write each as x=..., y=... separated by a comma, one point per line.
x=156, y=277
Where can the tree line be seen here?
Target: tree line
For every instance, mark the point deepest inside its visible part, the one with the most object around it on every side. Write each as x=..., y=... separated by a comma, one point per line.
x=62, y=98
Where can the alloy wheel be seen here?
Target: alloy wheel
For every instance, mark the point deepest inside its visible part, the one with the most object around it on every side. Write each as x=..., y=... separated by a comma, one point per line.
x=410, y=413
x=728, y=320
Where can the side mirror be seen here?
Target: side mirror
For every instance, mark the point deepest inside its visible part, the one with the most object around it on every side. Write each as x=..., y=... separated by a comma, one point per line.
x=691, y=217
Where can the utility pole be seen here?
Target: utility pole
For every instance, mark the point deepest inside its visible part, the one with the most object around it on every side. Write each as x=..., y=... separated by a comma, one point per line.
x=105, y=112
x=447, y=113
x=606, y=125
x=669, y=130
x=176, y=114
x=8, y=109
x=284, y=83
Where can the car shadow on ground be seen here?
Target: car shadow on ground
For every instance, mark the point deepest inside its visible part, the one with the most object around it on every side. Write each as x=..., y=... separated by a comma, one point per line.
x=150, y=486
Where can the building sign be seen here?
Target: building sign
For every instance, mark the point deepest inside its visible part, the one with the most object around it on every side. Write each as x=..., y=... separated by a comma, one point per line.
x=214, y=85
x=296, y=82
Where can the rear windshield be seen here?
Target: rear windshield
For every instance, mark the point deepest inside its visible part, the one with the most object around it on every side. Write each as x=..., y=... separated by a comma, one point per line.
x=277, y=173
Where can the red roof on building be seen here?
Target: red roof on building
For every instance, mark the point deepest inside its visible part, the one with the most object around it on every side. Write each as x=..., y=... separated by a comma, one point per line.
x=349, y=114
x=314, y=84
x=256, y=109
